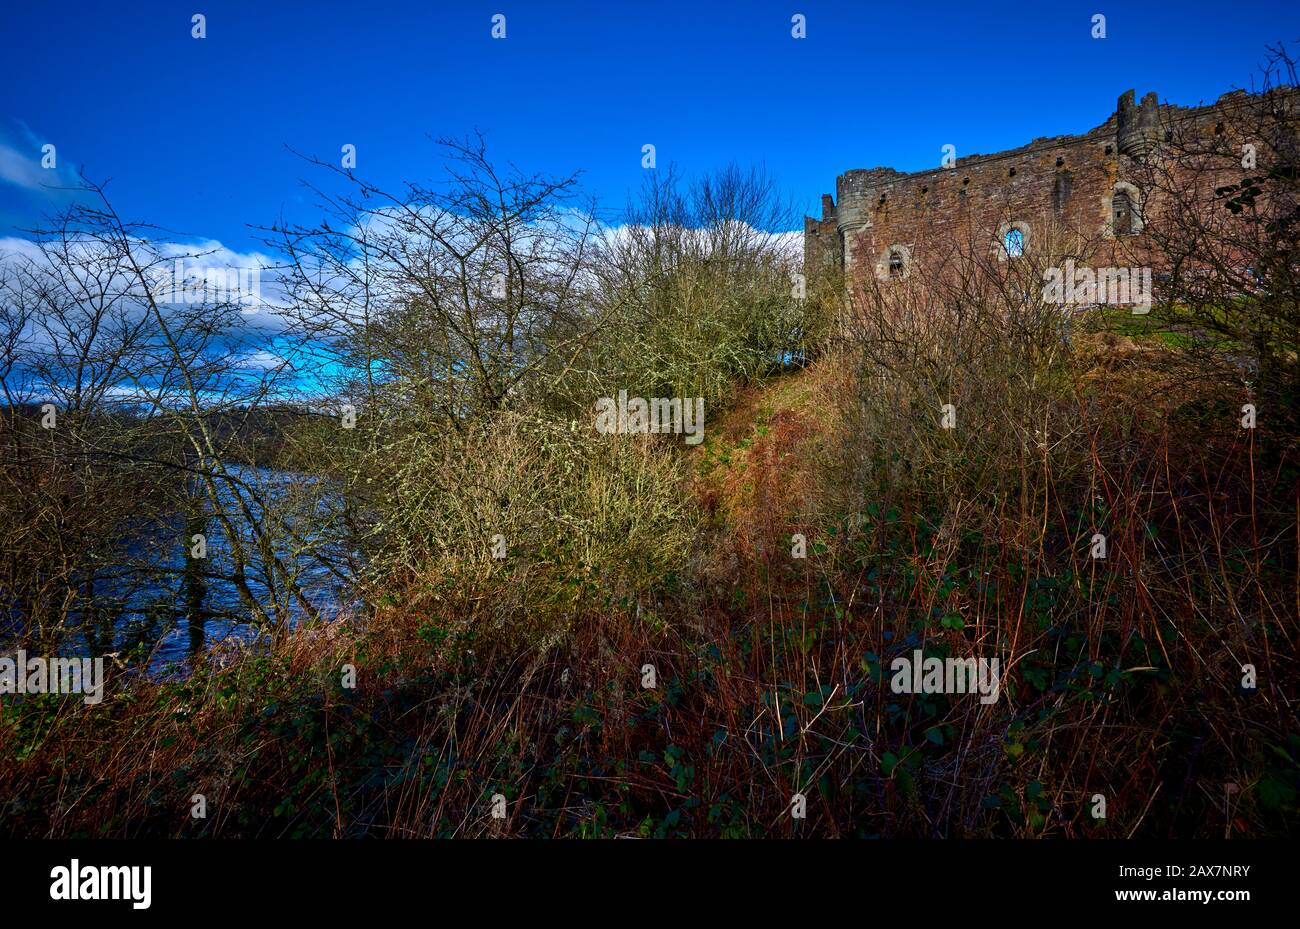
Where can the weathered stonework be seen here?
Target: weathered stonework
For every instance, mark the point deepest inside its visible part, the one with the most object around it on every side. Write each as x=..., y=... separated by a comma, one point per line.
x=880, y=221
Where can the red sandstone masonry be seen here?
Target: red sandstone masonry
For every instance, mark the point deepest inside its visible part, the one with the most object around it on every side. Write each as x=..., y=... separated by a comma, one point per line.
x=1053, y=188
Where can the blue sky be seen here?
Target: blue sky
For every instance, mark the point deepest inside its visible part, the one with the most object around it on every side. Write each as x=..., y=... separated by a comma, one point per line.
x=193, y=133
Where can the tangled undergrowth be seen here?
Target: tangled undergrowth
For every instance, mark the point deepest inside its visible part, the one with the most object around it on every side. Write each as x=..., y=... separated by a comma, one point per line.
x=770, y=671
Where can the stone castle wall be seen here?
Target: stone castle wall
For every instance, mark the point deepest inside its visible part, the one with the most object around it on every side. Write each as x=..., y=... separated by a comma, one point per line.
x=882, y=222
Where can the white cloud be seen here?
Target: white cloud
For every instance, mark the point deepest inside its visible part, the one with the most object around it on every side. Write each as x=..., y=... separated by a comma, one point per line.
x=261, y=360
x=20, y=164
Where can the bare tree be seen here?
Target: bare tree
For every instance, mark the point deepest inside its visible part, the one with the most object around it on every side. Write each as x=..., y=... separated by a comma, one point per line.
x=149, y=397
x=1225, y=213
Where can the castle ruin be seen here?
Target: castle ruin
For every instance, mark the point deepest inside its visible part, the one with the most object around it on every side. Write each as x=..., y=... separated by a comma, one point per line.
x=881, y=221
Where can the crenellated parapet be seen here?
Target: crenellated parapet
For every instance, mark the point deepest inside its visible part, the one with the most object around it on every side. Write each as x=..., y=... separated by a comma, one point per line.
x=1137, y=125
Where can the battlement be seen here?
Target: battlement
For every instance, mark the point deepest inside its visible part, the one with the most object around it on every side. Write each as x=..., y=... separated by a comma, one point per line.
x=1070, y=178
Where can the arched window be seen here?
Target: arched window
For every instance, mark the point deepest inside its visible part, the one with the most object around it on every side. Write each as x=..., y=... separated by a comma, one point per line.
x=1014, y=243
x=1122, y=213
x=1123, y=210
x=896, y=263
x=1011, y=240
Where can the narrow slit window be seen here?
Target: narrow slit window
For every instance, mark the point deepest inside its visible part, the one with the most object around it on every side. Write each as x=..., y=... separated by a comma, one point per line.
x=1061, y=191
